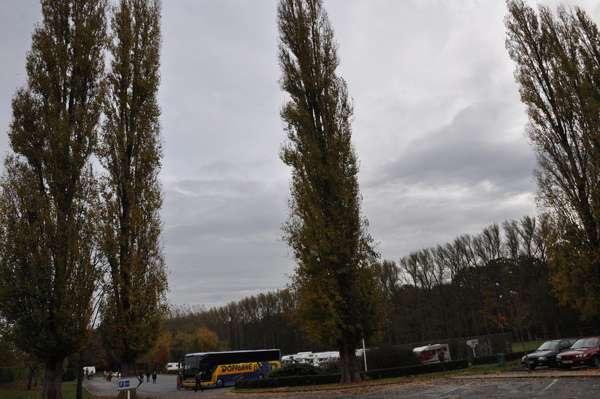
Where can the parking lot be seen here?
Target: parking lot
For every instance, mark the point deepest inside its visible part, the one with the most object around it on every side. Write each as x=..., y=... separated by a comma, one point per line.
x=543, y=384
x=164, y=388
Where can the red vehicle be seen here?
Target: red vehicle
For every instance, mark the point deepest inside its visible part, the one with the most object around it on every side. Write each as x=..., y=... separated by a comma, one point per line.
x=584, y=352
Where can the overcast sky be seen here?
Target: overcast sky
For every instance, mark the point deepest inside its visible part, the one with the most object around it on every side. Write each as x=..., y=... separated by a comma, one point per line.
x=438, y=130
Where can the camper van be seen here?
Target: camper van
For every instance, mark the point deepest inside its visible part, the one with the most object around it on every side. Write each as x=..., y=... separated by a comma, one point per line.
x=316, y=359
x=173, y=366
x=433, y=353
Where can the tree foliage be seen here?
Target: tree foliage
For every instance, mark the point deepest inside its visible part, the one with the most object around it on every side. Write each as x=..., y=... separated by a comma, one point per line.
x=557, y=61
x=57, y=217
x=48, y=199
x=131, y=151
x=338, y=299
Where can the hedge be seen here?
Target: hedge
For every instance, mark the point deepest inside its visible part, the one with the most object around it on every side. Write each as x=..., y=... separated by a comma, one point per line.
x=416, y=370
x=491, y=359
x=335, y=378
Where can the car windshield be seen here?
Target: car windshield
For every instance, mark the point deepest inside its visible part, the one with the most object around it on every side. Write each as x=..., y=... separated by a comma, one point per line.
x=549, y=346
x=586, y=343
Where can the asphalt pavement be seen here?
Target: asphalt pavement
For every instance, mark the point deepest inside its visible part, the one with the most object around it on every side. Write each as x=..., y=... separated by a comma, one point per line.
x=164, y=388
x=543, y=383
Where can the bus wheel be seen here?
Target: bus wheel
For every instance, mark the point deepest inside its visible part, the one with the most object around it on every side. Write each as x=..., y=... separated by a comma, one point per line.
x=220, y=383
x=260, y=376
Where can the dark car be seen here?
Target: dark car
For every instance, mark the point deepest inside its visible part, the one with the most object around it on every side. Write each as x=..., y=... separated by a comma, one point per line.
x=545, y=355
x=584, y=352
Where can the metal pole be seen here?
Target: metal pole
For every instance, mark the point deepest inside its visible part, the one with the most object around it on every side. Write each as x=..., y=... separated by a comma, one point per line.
x=365, y=354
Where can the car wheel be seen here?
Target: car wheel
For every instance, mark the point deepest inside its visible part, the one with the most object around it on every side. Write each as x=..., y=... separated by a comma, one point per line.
x=220, y=383
x=552, y=363
x=531, y=367
x=596, y=361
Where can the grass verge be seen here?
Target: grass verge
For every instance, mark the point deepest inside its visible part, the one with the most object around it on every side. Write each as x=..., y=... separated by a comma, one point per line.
x=18, y=390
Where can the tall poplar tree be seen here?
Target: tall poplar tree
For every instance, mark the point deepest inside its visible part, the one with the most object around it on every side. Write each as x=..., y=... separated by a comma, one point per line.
x=131, y=152
x=47, y=230
x=558, y=69
x=339, y=301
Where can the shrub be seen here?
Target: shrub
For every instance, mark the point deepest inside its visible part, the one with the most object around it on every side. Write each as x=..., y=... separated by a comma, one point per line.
x=334, y=367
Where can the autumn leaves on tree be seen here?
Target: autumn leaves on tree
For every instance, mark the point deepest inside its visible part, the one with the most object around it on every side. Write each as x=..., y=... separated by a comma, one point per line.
x=339, y=302
x=557, y=61
x=130, y=150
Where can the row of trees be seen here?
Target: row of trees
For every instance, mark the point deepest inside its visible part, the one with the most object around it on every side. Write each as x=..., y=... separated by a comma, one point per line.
x=496, y=281
x=80, y=240
x=493, y=282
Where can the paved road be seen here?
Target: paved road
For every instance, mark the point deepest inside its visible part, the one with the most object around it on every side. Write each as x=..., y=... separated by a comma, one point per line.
x=165, y=388
x=538, y=384
x=450, y=388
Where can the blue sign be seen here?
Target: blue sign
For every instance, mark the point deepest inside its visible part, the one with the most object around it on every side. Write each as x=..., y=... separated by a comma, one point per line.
x=125, y=384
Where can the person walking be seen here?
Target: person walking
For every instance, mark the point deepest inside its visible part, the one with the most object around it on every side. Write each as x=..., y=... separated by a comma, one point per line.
x=179, y=380
x=154, y=377
x=198, y=382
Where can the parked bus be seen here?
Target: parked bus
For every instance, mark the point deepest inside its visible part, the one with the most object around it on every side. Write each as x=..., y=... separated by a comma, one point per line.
x=218, y=369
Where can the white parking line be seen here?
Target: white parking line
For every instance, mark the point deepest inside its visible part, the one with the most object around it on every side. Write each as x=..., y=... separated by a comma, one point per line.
x=548, y=387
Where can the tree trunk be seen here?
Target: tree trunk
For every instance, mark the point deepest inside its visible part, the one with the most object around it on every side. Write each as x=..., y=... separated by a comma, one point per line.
x=350, y=369
x=31, y=372
x=80, y=376
x=53, y=379
x=128, y=371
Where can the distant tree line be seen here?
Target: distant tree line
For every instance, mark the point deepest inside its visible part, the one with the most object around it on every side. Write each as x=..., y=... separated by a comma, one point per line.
x=496, y=281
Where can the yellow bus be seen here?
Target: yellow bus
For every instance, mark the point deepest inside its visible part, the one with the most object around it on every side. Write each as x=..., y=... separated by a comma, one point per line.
x=219, y=369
